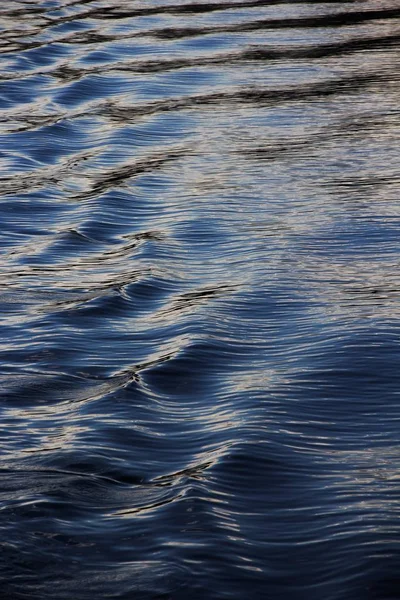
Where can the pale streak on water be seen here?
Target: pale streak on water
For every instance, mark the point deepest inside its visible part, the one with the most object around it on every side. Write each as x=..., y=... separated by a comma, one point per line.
x=199, y=300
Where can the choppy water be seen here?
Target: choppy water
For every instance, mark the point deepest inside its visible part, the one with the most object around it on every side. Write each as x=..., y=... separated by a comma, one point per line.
x=199, y=300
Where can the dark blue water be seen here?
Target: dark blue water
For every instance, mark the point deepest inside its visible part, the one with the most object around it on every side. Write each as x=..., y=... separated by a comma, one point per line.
x=200, y=300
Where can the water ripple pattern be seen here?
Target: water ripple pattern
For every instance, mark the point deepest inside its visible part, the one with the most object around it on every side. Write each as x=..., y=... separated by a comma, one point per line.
x=199, y=300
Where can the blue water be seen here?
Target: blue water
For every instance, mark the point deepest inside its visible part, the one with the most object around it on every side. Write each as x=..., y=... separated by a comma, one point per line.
x=199, y=300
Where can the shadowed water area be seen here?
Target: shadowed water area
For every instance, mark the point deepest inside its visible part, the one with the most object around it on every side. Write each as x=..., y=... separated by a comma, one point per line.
x=199, y=300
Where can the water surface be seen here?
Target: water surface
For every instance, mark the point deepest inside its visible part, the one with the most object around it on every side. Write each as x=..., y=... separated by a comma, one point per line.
x=199, y=300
